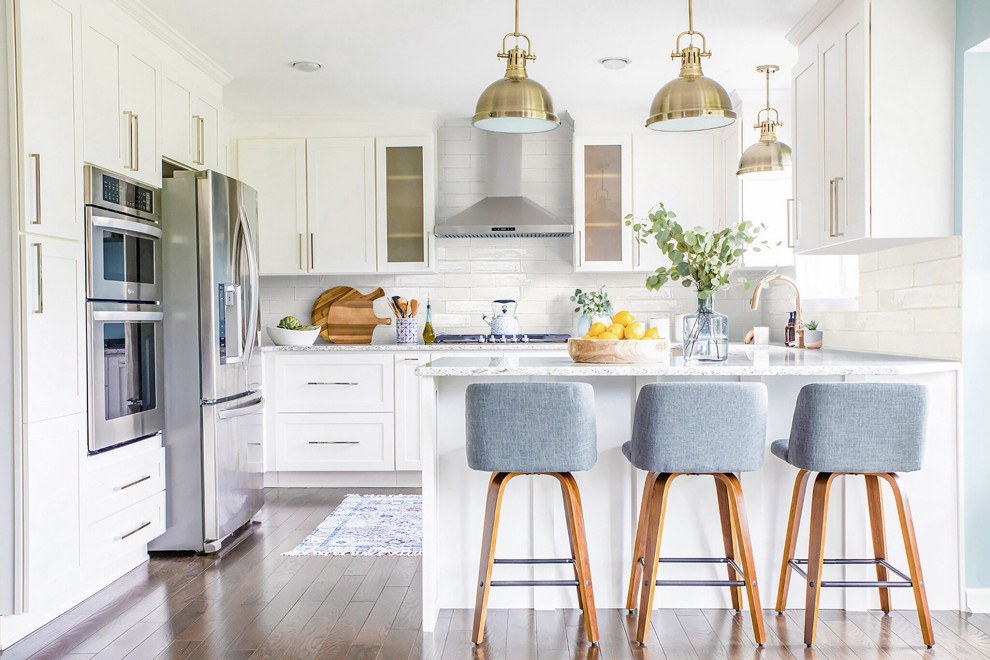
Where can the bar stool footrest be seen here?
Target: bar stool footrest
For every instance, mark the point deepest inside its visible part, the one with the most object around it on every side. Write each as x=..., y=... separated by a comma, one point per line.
x=529, y=562
x=796, y=565
x=534, y=583
x=700, y=583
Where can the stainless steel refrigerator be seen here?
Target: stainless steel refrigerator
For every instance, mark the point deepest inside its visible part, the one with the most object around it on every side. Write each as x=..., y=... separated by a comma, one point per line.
x=213, y=412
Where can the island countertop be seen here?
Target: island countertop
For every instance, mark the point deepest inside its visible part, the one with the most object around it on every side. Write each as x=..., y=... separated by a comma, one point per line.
x=743, y=361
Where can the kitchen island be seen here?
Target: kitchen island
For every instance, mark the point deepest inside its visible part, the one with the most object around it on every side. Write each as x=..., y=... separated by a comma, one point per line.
x=532, y=522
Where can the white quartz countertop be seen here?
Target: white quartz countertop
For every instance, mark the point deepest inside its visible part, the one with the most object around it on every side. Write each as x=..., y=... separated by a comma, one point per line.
x=743, y=361
x=428, y=348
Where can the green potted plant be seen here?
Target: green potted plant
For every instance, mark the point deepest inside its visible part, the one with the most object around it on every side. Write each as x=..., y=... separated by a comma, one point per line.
x=812, y=335
x=703, y=260
x=593, y=306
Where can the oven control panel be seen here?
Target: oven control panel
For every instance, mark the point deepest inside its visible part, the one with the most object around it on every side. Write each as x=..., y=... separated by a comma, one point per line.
x=124, y=193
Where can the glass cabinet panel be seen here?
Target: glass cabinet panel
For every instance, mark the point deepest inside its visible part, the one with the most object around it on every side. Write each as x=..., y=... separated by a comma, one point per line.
x=404, y=230
x=603, y=202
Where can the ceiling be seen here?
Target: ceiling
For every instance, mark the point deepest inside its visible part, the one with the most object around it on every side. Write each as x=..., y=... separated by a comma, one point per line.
x=436, y=56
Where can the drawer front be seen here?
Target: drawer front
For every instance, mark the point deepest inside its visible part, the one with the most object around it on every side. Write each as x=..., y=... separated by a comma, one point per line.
x=122, y=477
x=322, y=442
x=125, y=531
x=334, y=383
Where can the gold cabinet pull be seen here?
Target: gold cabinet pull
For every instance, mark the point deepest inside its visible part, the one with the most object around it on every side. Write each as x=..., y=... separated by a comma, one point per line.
x=838, y=230
x=37, y=188
x=198, y=159
x=40, y=309
x=129, y=164
x=137, y=142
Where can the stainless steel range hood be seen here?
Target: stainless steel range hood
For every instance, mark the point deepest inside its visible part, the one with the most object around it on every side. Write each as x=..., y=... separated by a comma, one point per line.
x=505, y=212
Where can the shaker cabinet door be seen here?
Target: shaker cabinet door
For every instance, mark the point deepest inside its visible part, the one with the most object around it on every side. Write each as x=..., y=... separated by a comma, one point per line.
x=277, y=170
x=178, y=126
x=341, y=205
x=47, y=39
x=54, y=327
x=141, y=71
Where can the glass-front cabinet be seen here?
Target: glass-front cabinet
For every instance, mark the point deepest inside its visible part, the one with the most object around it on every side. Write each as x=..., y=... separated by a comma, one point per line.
x=602, y=199
x=406, y=204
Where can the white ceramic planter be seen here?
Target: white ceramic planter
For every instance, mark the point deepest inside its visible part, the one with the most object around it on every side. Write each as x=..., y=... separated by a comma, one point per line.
x=813, y=338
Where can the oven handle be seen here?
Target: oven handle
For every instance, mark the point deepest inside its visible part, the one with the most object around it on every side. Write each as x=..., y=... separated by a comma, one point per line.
x=125, y=225
x=128, y=316
x=241, y=412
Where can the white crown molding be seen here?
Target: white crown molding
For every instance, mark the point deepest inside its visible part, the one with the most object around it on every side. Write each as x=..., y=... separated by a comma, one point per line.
x=818, y=13
x=154, y=23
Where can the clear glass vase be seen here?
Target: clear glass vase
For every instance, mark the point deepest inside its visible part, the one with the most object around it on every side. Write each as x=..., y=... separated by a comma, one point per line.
x=706, y=333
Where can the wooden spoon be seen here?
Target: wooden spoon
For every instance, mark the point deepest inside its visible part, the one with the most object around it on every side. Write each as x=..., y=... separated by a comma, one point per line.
x=404, y=308
x=413, y=308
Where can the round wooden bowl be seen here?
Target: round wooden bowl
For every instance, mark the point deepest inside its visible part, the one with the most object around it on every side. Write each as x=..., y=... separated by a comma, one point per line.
x=618, y=351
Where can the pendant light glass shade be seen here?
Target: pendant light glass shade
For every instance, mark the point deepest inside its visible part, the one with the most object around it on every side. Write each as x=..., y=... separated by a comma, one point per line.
x=769, y=158
x=515, y=103
x=690, y=102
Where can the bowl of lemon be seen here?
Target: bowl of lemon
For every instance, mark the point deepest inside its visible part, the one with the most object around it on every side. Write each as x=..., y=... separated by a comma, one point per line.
x=625, y=341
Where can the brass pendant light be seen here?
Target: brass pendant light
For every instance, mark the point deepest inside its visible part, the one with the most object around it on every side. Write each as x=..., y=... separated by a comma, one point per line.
x=769, y=158
x=515, y=103
x=690, y=102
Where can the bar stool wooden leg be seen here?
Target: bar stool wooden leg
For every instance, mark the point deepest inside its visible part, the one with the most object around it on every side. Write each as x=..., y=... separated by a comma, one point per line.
x=639, y=548
x=790, y=541
x=816, y=549
x=728, y=538
x=740, y=523
x=496, y=488
x=875, y=503
x=914, y=561
x=651, y=558
x=575, y=522
x=570, y=539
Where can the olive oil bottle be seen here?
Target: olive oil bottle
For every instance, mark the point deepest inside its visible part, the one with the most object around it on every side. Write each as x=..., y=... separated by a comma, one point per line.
x=428, y=334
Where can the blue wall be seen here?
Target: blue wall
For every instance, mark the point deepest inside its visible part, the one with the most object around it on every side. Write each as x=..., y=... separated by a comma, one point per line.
x=972, y=210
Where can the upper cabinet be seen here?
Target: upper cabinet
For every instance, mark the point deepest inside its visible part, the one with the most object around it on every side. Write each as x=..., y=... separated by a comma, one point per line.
x=343, y=205
x=47, y=37
x=602, y=200
x=405, y=185
x=277, y=170
x=865, y=177
x=190, y=119
x=121, y=99
x=616, y=176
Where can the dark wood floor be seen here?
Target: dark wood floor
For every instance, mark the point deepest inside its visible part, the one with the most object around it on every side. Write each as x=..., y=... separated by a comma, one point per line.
x=254, y=603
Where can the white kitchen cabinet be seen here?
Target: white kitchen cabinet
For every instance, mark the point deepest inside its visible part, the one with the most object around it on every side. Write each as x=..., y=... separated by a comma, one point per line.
x=867, y=56
x=405, y=187
x=190, y=122
x=408, y=455
x=337, y=442
x=53, y=452
x=679, y=170
x=340, y=174
x=47, y=40
x=121, y=79
x=277, y=170
x=53, y=348
x=603, y=197
x=348, y=383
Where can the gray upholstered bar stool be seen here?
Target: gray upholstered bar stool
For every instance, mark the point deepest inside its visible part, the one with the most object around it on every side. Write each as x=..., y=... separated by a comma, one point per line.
x=533, y=428
x=873, y=429
x=713, y=429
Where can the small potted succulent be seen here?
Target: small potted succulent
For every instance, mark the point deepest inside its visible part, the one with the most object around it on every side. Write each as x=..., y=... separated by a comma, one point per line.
x=594, y=307
x=812, y=335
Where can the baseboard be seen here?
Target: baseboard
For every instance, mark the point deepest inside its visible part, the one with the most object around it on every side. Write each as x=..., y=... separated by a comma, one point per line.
x=14, y=628
x=978, y=601
x=397, y=479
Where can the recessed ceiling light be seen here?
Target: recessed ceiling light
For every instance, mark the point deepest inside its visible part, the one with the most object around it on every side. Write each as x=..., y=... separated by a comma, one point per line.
x=307, y=67
x=614, y=62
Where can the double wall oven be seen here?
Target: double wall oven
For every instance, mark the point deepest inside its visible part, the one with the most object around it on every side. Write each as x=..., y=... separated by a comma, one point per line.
x=124, y=292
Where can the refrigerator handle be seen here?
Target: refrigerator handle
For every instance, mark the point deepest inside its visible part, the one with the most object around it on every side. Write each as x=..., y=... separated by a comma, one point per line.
x=255, y=302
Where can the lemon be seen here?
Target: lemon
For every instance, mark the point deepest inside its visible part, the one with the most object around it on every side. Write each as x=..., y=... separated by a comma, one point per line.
x=652, y=333
x=623, y=318
x=596, y=329
x=607, y=335
x=635, y=330
x=617, y=330
x=588, y=336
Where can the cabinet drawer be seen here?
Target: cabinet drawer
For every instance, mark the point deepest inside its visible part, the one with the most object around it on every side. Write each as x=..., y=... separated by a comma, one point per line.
x=122, y=477
x=334, y=383
x=125, y=530
x=346, y=441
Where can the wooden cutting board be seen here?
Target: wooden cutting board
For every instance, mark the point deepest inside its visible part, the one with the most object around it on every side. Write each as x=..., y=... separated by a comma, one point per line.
x=347, y=316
